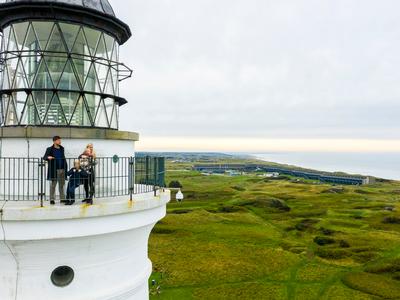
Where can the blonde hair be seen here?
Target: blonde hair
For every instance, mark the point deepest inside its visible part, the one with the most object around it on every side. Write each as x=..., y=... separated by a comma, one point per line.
x=77, y=162
x=88, y=146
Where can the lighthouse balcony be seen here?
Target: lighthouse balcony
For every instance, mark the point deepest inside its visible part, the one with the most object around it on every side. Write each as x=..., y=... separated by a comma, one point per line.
x=27, y=181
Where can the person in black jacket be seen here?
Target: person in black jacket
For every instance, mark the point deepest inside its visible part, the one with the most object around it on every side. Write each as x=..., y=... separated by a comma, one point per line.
x=77, y=176
x=57, y=169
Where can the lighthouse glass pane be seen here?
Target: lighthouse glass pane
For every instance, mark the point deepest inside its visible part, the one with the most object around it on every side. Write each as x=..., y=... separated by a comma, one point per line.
x=20, y=30
x=43, y=31
x=55, y=43
x=92, y=37
x=59, y=74
x=69, y=32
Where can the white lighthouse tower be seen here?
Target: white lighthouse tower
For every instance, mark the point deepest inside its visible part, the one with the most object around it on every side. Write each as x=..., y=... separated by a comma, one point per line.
x=60, y=74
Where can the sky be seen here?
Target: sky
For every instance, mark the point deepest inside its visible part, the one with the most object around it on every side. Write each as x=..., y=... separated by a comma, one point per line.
x=262, y=75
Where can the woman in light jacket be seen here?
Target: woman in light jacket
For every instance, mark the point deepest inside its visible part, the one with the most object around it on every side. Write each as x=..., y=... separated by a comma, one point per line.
x=88, y=162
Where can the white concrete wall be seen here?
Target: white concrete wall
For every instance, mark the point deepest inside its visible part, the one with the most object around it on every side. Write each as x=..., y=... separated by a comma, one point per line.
x=36, y=147
x=105, y=245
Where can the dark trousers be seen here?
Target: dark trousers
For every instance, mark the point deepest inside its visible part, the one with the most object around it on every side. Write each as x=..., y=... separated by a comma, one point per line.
x=88, y=184
x=71, y=191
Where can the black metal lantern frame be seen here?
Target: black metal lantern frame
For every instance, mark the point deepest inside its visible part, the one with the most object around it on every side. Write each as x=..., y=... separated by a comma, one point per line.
x=60, y=74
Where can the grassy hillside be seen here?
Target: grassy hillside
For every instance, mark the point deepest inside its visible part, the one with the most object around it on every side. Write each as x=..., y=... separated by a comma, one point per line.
x=249, y=237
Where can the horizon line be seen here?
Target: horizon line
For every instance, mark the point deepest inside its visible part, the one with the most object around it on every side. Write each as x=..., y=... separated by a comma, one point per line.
x=262, y=145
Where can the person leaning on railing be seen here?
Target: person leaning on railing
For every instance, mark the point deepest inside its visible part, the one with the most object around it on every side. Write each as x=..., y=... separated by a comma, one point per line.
x=57, y=169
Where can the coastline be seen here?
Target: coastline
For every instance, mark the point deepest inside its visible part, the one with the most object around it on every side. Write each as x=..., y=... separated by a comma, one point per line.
x=379, y=165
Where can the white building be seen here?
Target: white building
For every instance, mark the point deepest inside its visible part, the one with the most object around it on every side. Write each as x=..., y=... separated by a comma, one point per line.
x=60, y=75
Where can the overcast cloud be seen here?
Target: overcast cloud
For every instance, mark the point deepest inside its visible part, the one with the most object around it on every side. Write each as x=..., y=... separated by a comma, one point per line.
x=262, y=68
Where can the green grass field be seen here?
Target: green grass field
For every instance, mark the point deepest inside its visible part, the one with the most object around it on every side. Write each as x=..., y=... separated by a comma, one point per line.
x=249, y=237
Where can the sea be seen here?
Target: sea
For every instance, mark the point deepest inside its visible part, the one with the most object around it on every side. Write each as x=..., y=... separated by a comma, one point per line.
x=383, y=164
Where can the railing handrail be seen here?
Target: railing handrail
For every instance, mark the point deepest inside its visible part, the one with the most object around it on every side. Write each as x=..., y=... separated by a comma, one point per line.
x=27, y=178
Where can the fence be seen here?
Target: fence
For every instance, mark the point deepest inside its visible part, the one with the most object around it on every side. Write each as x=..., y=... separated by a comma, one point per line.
x=29, y=179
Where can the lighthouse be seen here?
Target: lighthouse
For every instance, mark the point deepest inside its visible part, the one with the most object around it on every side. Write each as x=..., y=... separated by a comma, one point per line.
x=60, y=72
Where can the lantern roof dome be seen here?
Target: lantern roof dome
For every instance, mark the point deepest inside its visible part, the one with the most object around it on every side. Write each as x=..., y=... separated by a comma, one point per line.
x=102, y=6
x=94, y=13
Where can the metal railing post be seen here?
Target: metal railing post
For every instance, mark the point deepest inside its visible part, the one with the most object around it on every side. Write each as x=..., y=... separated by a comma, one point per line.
x=147, y=170
x=92, y=179
x=155, y=176
x=131, y=177
x=161, y=171
x=41, y=182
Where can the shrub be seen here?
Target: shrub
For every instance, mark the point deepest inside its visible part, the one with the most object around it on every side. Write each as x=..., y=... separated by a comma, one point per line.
x=363, y=192
x=365, y=257
x=181, y=211
x=230, y=209
x=267, y=203
x=363, y=249
x=310, y=213
x=344, y=244
x=239, y=188
x=396, y=276
x=161, y=230
x=322, y=241
x=306, y=224
x=377, y=285
x=279, y=204
x=332, y=253
x=326, y=231
x=391, y=220
x=337, y=190
x=392, y=266
x=175, y=184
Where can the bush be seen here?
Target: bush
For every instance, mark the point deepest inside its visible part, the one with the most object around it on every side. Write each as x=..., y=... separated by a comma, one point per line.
x=310, y=213
x=181, y=211
x=326, y=231
x=230, y=209
x=238, y=188
x=344, y=244
x=162, y=230
x=363, y=192
x=391, y=220
x=175, y=184
x=332, y=253
x=391, y=266
x=279, y=204
x=396, y=276
x=322, y=241
x=267, y=203
x=338, y=190
x=377, y=285
x=365, y=257
x=306, y=224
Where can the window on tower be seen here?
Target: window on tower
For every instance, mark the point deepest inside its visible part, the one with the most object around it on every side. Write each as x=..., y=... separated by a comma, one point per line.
x=59, y=74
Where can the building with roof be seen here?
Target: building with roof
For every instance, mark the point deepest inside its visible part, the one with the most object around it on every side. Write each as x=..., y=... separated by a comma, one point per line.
x=307, y=174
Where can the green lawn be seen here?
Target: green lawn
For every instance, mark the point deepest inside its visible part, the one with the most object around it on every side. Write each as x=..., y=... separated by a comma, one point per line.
x=248, y=237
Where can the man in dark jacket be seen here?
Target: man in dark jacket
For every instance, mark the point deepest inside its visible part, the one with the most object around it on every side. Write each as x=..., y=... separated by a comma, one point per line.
x=57, y=169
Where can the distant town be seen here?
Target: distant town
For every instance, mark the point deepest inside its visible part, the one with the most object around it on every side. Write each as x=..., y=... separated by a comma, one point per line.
x=226, y=164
